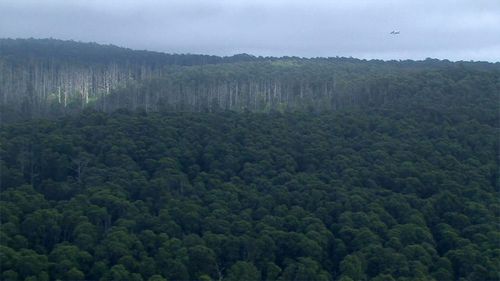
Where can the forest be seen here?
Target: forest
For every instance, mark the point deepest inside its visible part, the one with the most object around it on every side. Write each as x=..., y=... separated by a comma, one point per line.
x=46, y=78
x=41, y=77
x=246, y=168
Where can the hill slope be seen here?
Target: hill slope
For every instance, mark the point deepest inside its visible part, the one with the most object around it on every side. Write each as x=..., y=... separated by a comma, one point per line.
x=366, y=195
x=246, y=168
x=40, y=76
x=52, y=77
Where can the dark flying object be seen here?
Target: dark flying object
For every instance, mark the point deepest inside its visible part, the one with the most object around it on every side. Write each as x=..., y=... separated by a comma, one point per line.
x=394, y=32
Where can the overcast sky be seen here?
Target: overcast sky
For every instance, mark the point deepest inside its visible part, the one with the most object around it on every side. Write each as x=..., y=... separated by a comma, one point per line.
x=445, y=29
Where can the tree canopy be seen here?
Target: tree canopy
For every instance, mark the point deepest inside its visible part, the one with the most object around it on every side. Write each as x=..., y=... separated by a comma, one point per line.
x=184, y=167
x=361, y=195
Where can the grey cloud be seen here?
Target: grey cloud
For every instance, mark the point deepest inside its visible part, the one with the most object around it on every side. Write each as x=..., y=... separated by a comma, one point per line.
x=452, y=29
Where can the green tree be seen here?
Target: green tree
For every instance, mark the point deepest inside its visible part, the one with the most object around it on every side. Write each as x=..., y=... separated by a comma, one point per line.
x=243, y=271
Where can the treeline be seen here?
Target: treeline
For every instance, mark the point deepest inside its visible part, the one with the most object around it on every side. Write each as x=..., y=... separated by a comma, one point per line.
x=44, y=78
x=366, y=195
x=357, y=170
x=41, y=77
x=308, y=85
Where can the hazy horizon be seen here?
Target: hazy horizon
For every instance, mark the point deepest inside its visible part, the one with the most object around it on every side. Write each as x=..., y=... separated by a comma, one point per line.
x=454, y=30
x=234, y=54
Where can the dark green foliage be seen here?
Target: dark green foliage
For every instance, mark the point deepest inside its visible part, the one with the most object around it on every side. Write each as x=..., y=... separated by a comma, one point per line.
x=361, y=195
x=311, y=85
x=390, y=171
x=49, y=78
x=88, y=53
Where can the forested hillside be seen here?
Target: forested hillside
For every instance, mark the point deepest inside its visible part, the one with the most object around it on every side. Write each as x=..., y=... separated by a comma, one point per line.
x=360, y=195
x=46, y=78
x=133, y=165
x=43, y=77
x=316, y=85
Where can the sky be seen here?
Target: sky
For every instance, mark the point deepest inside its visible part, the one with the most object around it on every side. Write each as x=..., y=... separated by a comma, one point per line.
x=443, y=29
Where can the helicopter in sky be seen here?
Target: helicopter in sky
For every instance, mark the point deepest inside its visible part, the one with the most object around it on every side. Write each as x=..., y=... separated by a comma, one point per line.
x=394, y=32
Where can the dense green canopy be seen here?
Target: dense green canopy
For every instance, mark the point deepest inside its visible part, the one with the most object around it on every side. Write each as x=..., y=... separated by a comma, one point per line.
x=47, y=78
x=362, y=195
x=245, y=168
